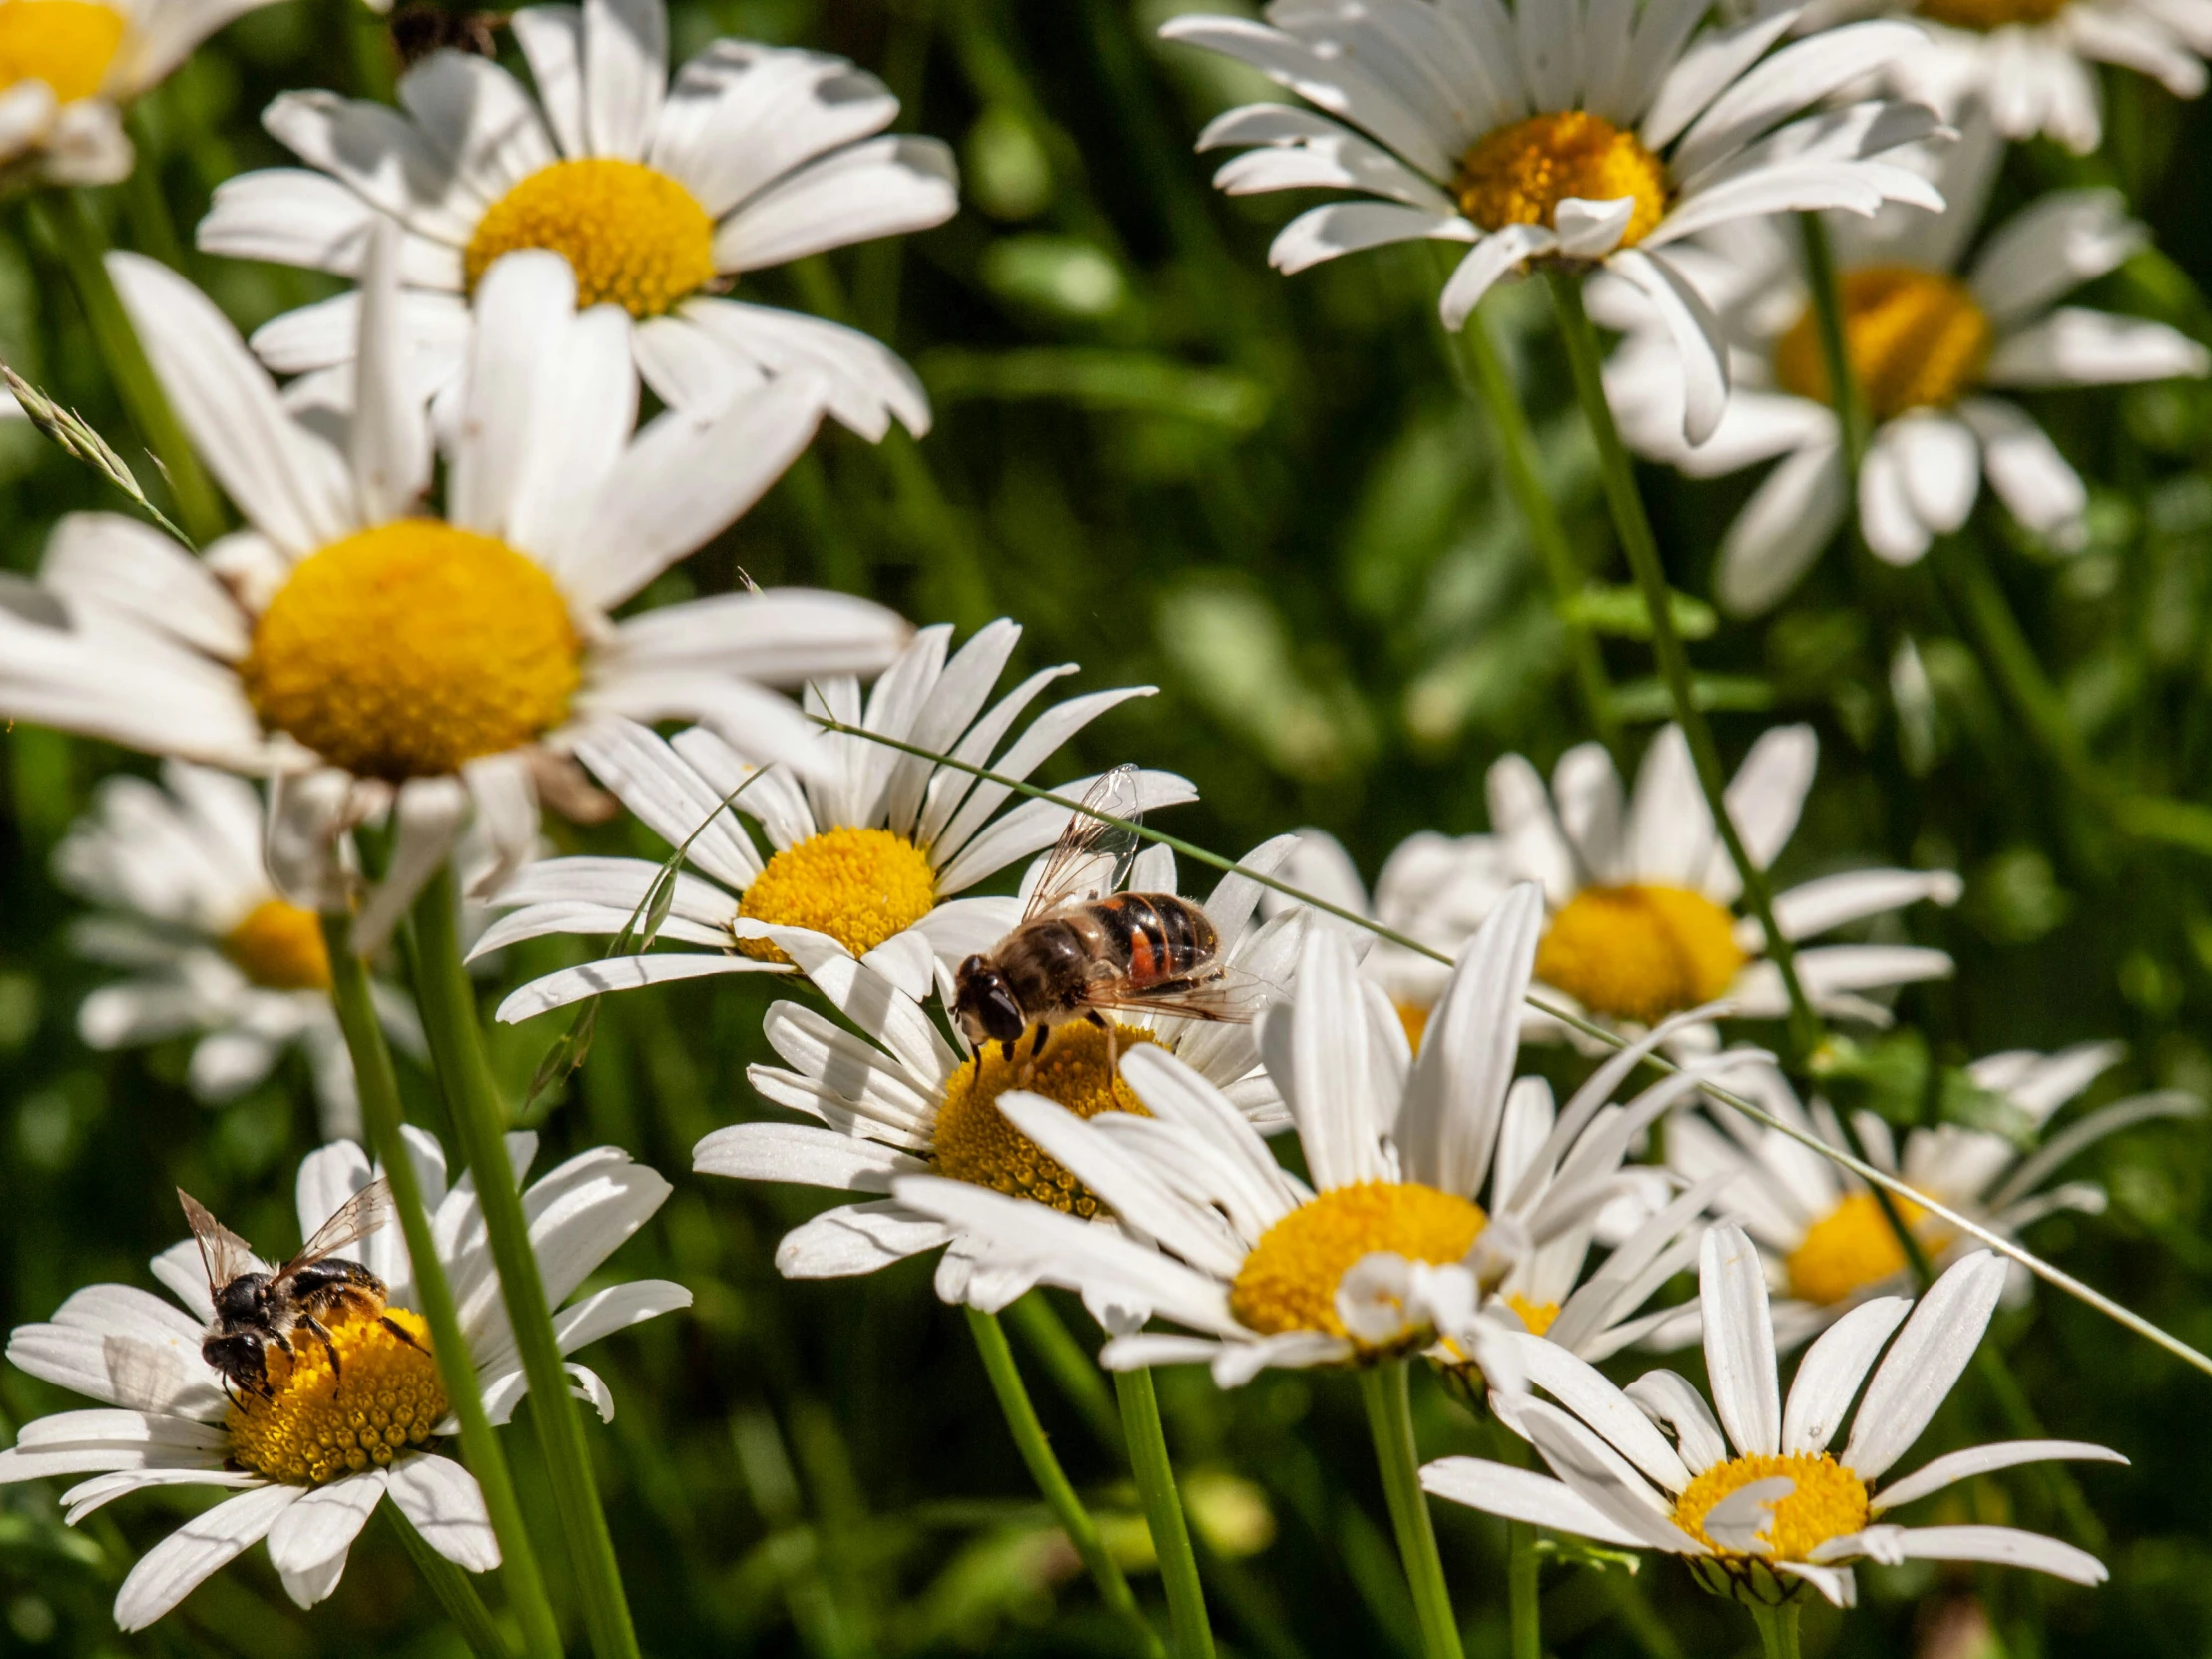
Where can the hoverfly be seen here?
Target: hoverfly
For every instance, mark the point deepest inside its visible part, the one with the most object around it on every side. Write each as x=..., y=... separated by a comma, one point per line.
x=423, y=28
x=1084, y=946
x=256, y=1307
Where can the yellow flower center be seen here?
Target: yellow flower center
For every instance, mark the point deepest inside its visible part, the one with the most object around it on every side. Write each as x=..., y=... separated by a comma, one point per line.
x=384, y=1398
x=1854, y=1246
x=1640, y=953
x=278, y=947
x=634, y=237
x=974, y=1142
x=1519, y=175
x=1288, y=1282
x=1991, y=14
x=405, y=651
x=68, y=44
x=1829, y=1503
x=1916, y=340
x=1414, y=1017
x=859, y=887
x=1537, y=1315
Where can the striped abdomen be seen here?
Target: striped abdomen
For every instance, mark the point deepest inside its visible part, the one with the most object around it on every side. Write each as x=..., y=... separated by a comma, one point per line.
x=1155, y=938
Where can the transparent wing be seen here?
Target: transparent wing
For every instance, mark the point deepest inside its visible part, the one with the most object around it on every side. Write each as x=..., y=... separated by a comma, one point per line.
x=356, y=1217
x=221, y=1251
x=1093, y=857
x=1227, y=997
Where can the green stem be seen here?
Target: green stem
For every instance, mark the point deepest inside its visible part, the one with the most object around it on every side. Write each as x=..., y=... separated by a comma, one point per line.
x=1483, y=371
x=487, y=1460
x=1642, y=548
x=151, y=222
x=1052, y=1480
x=1524, y=1608
x=77, y=237
x=1828, y=314
x=454, y=1589
x=448, y=1003
x=1163, y=1513
x=1074, y=1372
x=1385, y=1390
x=1778, y=1629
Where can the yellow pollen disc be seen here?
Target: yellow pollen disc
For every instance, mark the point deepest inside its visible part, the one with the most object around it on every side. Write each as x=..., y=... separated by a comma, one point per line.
x=384, y=1399
x=859, y=887
x=1991, y=14
x=1537, y=1315
x=974, y=1142
x=634, y=237
x=1830, y=1502
x=278, y=947
x=68, y=44
x=1519, y=175
x=405, y=651
x=1640, y=953
x=1288, y=1282
x=1414, y=1018
x=1916, y=339
x=1854, y=1246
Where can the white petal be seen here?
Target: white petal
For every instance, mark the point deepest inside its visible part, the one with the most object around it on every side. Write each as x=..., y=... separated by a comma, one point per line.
x=2004, y=1545
x=798, y=1152
x=175, y=1566
x=618, y=973
x=1961, y=1465
x=1485, y=262
x=307, y=1544
x=1739, y=1340
x=624, y=74
x=2075, y=347
x=1351, y=227
x=446, y=1507
x=2026, y=470
x=883, y=188
x=1780, y=530
x=1696, y=333
x=552, y=40
x=2059, y=242
x=1523, y=1495
x=742, y=115
x=1926, y=1359
x=1829, y=1375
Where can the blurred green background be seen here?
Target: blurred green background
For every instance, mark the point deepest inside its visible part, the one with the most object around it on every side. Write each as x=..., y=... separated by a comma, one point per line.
x=1270, y=498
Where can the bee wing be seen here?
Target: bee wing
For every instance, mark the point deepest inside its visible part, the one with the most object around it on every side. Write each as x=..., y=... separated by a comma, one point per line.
x=356, y=1217
x=221, y=1251
x=1228, y=998
x=1092, y=858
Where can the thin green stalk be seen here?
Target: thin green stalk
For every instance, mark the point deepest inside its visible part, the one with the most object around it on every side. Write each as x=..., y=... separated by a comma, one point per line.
x=1484, y=372
x=151, y=222
x=77, y=237
x=1524, y=1591
x=1074, y=1372
x=1052, y=1480
x=1955, y=1220
x=1163, y=1513
x=454, y=1589
x=381, y=1113
x=1642, y=548
x=1844, y=394
x=1778, y=1629
x=448, y=1003
x=1385, y=1390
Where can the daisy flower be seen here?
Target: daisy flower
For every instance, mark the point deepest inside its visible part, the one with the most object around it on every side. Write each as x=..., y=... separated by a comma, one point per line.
x=1433, y=889
x=2034, y=61
x=307, y=1464
x=1936, y=338
x=1641, y=891
x=186, y=905
x=901, y=1098
x=366, y=654
x=1392, y=1247
x=1584, y=132
x=1822, y=1233
x=870, y=850
x=66, y=69
x=660, y=195
x=1767, y=1509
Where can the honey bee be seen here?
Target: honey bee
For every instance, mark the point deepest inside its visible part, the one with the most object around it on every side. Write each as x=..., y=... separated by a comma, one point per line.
x=423, y=28
x=255, y=1309
x=1084, y=946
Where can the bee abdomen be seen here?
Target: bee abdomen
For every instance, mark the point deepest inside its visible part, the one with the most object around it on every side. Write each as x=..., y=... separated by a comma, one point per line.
x=1162, y=938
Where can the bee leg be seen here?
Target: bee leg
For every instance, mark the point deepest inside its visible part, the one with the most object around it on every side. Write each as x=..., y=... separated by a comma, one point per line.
x=329, y=1343
x=401, y=1331
x=1036, y=1049
x=1006, y=1053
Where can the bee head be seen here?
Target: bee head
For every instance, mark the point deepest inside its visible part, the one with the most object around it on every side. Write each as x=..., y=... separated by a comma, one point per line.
x=238, y=1356
x=984, y=1003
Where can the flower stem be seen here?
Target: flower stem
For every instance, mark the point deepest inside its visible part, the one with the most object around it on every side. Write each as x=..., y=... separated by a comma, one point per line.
x=77, y=237
x=1642, y=548
x=1778, y=1629
x=448, y=1004
x=1163, y=1513
x=1387, y=1391
x=1052, y=1480
x=1074, y=1371
x=453, y=1588
x=1524, y=1609
x=487, y=1460
x=1844, y=394
x=1484, y=373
